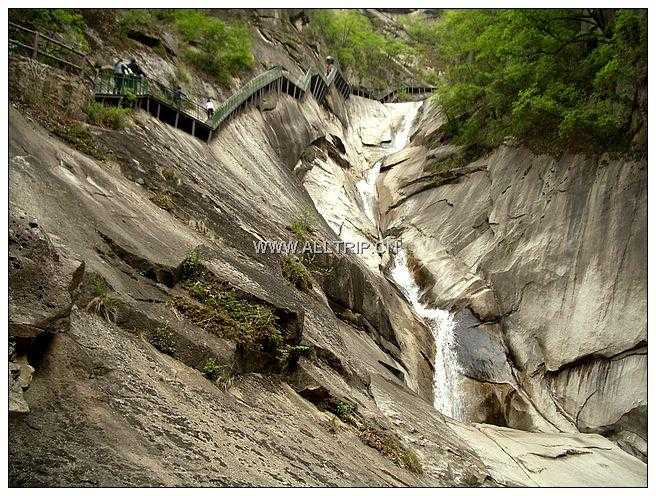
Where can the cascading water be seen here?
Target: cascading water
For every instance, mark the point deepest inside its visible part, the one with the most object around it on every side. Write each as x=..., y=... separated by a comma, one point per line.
x=367, y=189
x=441, y=324
x=367, y=186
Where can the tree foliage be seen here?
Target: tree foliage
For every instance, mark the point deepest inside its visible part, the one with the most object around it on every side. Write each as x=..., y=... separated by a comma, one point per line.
x=568, y=78
x=218, y=48
x=66, y=22
x=358, y=46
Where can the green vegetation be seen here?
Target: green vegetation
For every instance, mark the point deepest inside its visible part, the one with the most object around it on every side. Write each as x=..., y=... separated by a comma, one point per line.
x=163, y=200
x=424, y=45
x=344, y=409
x=164, y=340
x=301, y=228
x=223, y=375
x=133, y=19
x=220, y=48
x=217, y=48
x=390, y=447
x=289, y=354
x=101, y=302
x=108, y=117
x=555, y=79
x=78, y=135
x=358, y=46
x=212, y=369
x=171, y=177
x=192, y=264
x=228, y=313
x=295, y=272
x=182, y=75
x=67, y=22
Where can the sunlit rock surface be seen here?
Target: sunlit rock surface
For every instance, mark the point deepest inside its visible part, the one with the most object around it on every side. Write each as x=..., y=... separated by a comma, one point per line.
x=550, y=255
x=550, y=309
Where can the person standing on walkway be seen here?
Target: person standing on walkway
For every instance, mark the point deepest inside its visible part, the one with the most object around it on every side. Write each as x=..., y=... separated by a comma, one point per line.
x=329, y=64
x=120, y=71
x=134, y=67
x=209, y=108
x=178, y=95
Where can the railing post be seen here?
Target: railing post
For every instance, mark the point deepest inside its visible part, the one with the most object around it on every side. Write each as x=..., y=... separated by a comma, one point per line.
x=177, y=117
x=35, y=47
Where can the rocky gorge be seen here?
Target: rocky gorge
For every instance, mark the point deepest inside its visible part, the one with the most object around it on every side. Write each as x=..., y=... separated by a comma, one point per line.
x=498, y=338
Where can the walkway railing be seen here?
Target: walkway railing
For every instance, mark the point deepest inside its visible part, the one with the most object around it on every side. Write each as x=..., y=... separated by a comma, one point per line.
x=130, y=87
x=245, y=93
x=274, y=79
x=136, y=88
x=37, y=45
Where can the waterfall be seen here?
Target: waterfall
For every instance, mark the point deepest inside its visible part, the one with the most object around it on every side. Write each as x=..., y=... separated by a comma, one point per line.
x=446, y=377
x=367, y=190
x=441, y=323
x=367, y=186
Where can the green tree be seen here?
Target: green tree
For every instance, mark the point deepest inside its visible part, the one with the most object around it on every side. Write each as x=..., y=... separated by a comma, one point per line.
x=218, y=48
x=66, y=22
x=560, y=77
x=354, y=41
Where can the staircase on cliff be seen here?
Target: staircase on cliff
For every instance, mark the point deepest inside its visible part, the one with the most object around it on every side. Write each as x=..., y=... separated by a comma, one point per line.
x=180, y=111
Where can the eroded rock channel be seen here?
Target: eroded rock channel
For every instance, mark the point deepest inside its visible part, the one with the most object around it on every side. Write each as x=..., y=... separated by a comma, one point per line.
x=501, y=342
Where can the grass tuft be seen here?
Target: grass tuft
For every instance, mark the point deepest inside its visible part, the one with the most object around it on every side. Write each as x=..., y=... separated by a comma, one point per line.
x=102, y=303
x=107, y=117
x=390, y=447
x=164, y=340
x=163, y=200
x=295, y=272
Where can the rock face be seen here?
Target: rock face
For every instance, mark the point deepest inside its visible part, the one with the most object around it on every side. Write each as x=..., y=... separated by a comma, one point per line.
x=113, y=383
x=550, y=257
x=126, y=396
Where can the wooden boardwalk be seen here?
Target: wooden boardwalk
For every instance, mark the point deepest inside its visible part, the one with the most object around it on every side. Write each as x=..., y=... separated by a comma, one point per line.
x=178, y=110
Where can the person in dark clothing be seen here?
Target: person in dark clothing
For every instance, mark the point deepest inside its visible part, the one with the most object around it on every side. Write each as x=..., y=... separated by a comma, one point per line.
x=178, y=95
x=137, y=75
x=134, y=67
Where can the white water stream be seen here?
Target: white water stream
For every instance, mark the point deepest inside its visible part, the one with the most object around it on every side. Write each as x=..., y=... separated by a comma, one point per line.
x=367, y=186
x=440, y=322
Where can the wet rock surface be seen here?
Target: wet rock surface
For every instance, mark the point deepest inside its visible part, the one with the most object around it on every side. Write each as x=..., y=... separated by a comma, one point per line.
x=112, y=384
x=550, y=255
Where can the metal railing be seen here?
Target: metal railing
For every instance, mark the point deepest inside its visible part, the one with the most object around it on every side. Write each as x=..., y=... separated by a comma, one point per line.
x=314, y=81
x=242, y=96
x=35, y=44
x=108, y=83
x=129, y=86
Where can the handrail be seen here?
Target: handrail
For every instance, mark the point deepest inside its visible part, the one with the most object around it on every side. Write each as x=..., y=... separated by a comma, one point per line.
x=47, y=38
x=107, y=83
x=130, y=86
x=314, y=80
x=236, y=99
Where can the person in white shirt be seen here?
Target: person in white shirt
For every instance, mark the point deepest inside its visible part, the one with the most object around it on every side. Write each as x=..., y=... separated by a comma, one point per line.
x=209, y=107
